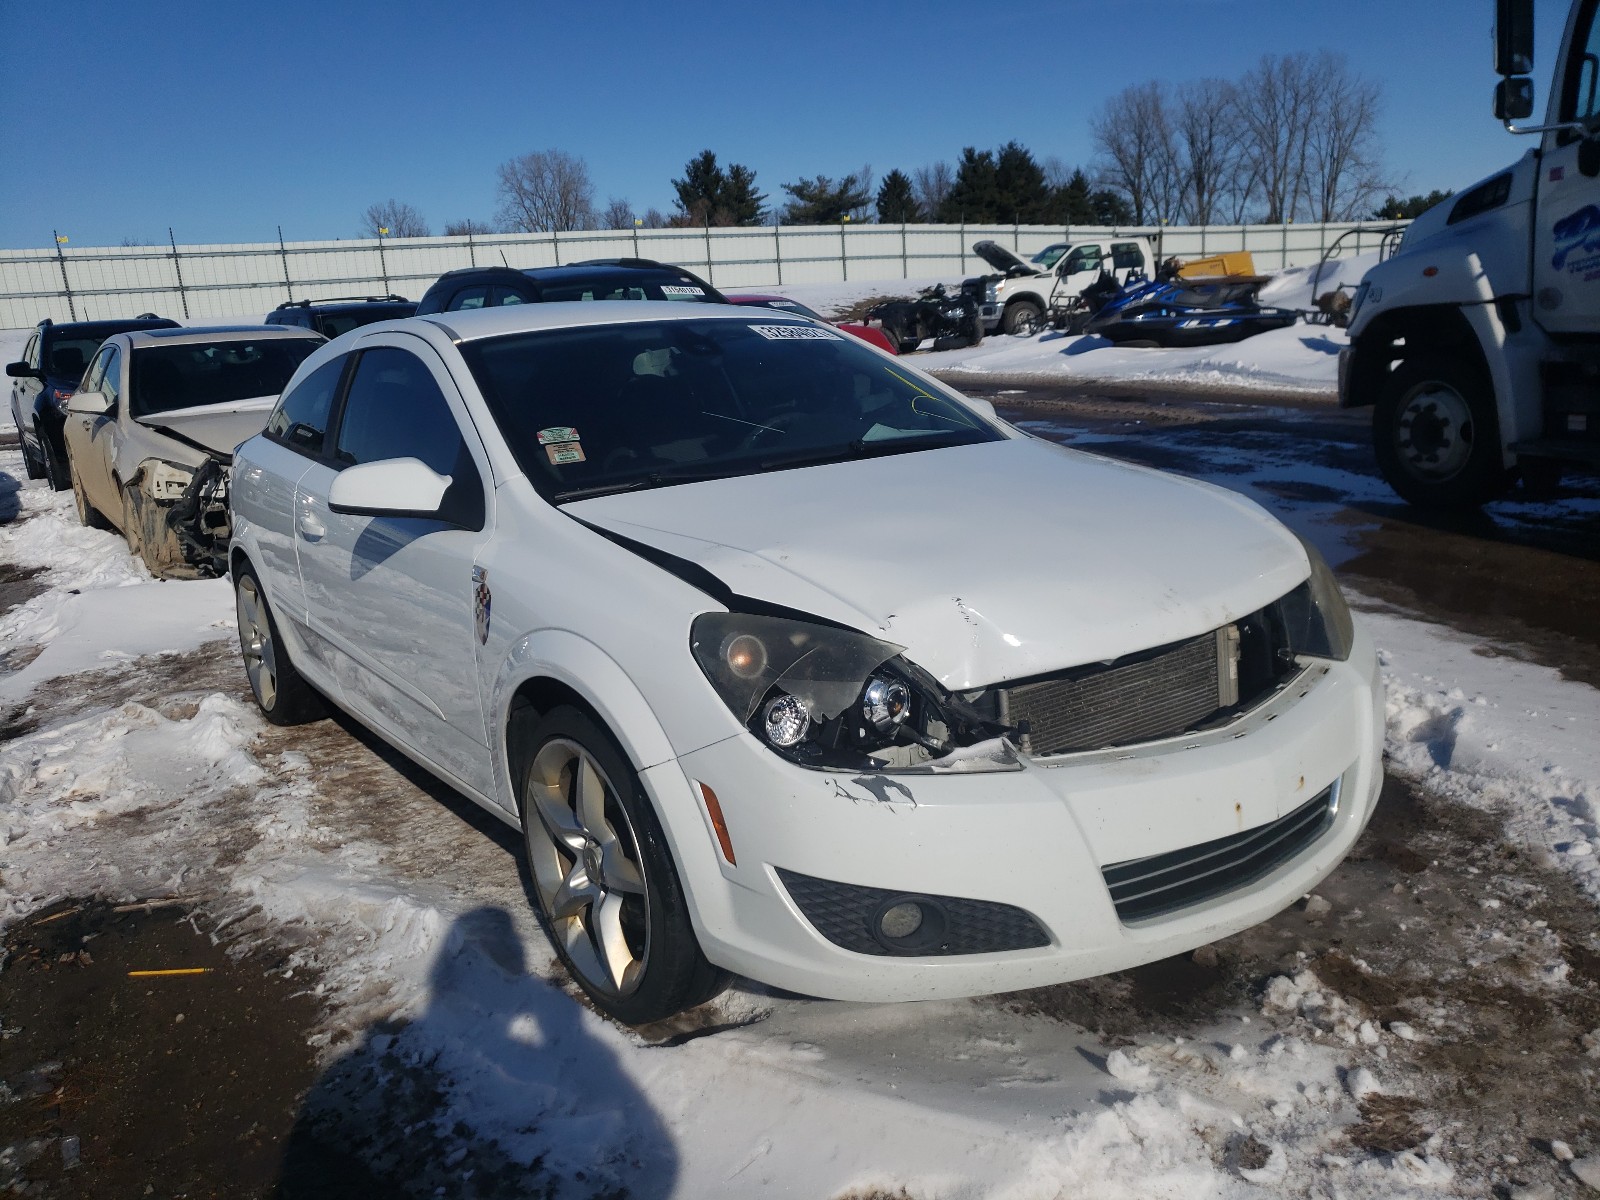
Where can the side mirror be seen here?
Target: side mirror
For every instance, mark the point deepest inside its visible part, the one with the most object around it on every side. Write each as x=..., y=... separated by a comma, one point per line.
x=1513, y=38
x=89, y=404
x=394, y=487
x=1513, y=99
x=21, y=370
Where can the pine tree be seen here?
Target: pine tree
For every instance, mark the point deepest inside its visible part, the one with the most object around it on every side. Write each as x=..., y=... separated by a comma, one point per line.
x=974, y=198
x=821, y=201
x=1021, y=192
x=896, y=203
x=708, y=195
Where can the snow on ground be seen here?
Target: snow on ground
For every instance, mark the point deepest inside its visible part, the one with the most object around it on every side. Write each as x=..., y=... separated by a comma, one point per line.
x=407, y=914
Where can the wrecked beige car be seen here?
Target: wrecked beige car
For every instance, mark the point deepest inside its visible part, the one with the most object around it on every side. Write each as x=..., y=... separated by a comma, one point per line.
x=152, y=428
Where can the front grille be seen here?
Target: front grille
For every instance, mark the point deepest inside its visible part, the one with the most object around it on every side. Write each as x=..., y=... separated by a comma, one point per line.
x=844, y=914
x=1149, y=887
x=1160, y=694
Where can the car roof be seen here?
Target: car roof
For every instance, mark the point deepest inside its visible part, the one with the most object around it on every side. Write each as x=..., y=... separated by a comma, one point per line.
x=749, y=298
x=465, y=325
x=79, y=329
x=200, y=334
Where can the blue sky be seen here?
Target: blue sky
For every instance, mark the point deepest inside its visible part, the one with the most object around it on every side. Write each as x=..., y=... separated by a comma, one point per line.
x=224, y=119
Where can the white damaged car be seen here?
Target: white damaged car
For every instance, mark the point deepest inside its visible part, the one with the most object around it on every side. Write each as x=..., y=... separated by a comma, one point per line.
x=792, y=662
x=154, y=423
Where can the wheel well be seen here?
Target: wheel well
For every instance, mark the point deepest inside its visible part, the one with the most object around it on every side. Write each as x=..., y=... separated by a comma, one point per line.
x=237, y=558
x=1439, y=329
x=532, y=699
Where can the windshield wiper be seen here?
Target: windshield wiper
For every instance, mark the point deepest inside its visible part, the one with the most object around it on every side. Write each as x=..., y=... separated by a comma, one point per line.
x=654, y=479
x=864, y=448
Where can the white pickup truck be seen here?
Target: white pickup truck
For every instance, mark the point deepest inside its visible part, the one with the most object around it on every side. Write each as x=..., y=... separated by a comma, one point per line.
x=1018, y=299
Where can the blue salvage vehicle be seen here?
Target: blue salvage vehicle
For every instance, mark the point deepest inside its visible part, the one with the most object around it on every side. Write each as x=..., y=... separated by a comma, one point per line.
x=1185, y=312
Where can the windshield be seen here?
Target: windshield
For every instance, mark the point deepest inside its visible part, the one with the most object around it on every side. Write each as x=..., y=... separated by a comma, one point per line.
x=165, y=378
x=619, y=407
x=67, y=357
x=1049, y=256
x=784, y=304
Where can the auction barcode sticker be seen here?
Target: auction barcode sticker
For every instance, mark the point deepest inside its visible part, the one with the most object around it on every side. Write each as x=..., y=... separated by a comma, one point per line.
x=675, y=289
x=794, y=333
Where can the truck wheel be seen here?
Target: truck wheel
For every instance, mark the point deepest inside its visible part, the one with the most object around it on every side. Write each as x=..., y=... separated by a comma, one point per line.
x=1436, y=435
x=1022, y=318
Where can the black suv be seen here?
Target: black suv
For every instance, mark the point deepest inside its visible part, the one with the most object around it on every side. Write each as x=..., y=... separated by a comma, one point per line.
x=340, y=314
x=49, y=371
x=595, y=279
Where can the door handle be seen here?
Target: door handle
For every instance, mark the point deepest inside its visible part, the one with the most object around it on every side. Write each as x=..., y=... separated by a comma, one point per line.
x=310, y=528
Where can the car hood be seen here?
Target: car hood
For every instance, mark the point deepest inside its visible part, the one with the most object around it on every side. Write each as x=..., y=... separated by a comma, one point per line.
x=216, y=428
x=987, y=563
x=1002, y=260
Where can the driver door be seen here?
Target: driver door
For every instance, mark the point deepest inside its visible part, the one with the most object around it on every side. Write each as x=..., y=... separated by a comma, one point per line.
x=1566, y=260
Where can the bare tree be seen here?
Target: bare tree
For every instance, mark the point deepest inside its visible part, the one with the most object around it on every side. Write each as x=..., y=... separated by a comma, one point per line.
x=654, y=218
x=393, y=218
x=545, y=191
x=1277, y=109
x=1345, y=169
x=931, y=184
x=1138, y=159
x=467, y=227
x=1207, y=143
x=618, y=214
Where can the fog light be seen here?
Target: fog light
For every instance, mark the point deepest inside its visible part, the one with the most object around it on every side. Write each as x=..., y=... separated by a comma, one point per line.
x=786, y=721
x=901, y=920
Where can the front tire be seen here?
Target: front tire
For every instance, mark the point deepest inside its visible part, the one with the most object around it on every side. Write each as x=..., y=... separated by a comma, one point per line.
x=1436, y=434
x=281, y=692
x=1024, y=318
x=605, y=887
x=34, y=469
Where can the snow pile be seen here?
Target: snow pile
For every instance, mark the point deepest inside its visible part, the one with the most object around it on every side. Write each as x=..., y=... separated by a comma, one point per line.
x=1496, y=733
x=1299, y=287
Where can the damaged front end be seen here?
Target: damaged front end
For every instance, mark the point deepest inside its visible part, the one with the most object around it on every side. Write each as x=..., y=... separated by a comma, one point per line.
x=181, y=513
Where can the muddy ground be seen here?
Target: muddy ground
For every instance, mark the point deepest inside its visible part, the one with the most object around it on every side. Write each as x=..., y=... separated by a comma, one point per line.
x=203, y=1084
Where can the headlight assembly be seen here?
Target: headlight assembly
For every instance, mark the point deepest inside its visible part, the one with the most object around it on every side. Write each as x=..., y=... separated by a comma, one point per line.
x=835, y=699
x=164, y=480
x=1316, y=618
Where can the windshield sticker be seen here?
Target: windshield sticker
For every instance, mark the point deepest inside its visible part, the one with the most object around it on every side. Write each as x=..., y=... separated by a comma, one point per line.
x=558, y=433
x=794, y=333
x=562, y=453
x=678, y=289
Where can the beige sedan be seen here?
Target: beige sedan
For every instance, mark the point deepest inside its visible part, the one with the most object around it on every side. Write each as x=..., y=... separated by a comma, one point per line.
x=153, y=426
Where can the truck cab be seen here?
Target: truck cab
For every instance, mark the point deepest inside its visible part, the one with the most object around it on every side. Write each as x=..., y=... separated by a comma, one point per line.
x=1477, y=343
x=1024, y=293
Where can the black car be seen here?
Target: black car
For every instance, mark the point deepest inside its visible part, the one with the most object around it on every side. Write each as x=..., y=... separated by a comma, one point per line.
x=595, y=279
x=340, y=314
x=49, y=371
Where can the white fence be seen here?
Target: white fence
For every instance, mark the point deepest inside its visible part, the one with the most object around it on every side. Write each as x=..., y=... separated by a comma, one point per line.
x=72, y=283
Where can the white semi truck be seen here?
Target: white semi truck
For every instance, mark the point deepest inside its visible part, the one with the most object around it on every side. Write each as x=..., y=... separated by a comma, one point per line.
x=1478, y=342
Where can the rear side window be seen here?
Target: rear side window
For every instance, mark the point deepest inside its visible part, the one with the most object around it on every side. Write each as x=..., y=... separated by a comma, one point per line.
x=394, y=409
x=1125, y=256
x=301, y=418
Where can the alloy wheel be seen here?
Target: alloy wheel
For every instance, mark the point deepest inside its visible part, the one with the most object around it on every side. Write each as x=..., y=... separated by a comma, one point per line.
x=255, y=641
x=586, y=865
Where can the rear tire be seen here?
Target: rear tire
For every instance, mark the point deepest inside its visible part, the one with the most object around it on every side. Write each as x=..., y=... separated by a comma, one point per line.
x=605, y=887
x=281, y=692
x=88, y=515
x=1436, y=434
x=905, y=340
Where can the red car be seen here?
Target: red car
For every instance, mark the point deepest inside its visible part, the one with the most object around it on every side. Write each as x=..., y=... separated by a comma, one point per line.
x=865, y=332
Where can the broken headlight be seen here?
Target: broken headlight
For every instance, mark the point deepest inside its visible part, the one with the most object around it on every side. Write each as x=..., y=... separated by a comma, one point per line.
x=834, y=699
x=164, y=480
x=1316, y=618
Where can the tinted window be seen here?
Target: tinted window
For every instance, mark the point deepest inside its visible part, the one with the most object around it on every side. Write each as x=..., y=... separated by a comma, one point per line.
x=66, y=358
x=394, y=409
x=1580, y=100
x=301, y=418
x=1084, y=258
x=472, y=297
x=199, y=373
x=652, y=403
